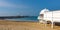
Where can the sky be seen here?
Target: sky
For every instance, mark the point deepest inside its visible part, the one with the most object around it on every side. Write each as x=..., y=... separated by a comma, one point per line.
x=26, y=7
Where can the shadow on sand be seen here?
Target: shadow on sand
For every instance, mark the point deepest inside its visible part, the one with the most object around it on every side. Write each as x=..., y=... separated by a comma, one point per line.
x=57, y=24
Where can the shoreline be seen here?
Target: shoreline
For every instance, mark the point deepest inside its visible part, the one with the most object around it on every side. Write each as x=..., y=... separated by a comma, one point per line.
x=22, y=20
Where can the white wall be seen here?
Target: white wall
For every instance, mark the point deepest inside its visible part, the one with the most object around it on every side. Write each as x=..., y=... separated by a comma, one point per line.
x=48, y=16
x=56, y=16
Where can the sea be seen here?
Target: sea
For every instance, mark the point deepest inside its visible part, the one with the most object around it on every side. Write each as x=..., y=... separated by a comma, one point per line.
x=32, y=18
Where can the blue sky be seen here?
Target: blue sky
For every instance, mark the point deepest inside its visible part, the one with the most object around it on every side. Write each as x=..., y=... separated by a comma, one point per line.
x=26, y=7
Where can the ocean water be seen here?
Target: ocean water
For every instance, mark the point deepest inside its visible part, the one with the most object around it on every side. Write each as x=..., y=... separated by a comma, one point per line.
x=33, y=18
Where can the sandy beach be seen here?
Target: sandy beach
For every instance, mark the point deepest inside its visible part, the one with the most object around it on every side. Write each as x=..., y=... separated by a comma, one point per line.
x=13, y=25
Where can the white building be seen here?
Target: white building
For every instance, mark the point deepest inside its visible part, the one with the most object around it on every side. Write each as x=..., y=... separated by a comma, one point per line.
x=46, y=15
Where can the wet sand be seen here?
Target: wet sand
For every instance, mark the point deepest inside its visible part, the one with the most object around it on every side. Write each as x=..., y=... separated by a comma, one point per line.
x=16, y=25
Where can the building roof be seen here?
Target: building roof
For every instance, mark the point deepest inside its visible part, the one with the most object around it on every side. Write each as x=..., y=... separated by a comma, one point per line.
x=44, y=10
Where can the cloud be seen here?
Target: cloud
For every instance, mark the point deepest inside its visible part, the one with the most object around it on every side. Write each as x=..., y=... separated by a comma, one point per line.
x=7, y=4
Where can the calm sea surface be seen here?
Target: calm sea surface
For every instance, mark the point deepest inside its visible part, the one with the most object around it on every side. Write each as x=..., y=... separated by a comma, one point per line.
x=33, y=18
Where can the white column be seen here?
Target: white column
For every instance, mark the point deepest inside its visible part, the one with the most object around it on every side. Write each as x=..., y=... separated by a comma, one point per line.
x=52, y=21
x=46, y=20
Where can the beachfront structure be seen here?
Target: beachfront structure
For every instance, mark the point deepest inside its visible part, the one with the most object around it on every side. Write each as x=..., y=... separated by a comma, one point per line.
x=51, y=16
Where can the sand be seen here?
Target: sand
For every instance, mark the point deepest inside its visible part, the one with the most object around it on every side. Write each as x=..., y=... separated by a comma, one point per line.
x=16, y=25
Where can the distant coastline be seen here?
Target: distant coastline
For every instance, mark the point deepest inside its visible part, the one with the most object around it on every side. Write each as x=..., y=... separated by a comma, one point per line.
x=10, y=17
